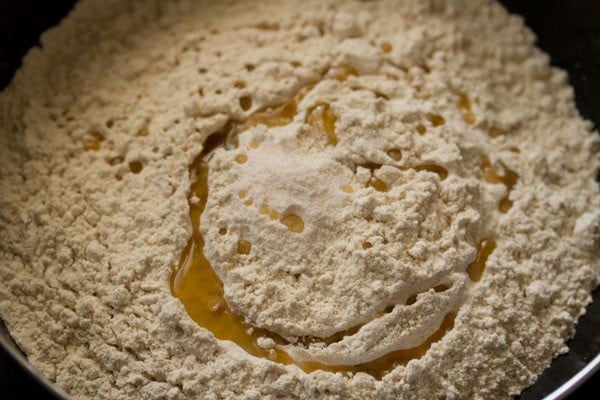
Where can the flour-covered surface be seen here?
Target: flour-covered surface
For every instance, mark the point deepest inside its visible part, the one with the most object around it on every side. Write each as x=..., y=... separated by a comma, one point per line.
x=444, y=102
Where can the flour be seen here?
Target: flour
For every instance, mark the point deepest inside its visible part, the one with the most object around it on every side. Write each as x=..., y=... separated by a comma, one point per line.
x=451, y=133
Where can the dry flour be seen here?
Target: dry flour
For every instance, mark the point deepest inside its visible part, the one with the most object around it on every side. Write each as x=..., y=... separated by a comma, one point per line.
x=449, y=130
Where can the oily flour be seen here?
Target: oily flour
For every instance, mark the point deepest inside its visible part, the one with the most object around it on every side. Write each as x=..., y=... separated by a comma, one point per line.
x=101, y=124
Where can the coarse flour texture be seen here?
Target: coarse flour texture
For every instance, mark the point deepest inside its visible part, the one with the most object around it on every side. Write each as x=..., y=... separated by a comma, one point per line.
x=420, y=130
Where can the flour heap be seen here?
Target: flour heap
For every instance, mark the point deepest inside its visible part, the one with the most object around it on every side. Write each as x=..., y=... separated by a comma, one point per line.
x=378, y=198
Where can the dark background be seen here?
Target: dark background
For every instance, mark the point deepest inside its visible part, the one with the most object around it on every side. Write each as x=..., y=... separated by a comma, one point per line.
x=568, y=30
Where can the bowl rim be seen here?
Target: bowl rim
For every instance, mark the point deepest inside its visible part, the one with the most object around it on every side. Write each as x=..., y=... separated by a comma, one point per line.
x=576, y=380
x=9, y=345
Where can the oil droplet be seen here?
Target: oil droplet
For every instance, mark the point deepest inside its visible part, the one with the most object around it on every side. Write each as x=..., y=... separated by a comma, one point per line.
x=269, y=212
x=489, y=173
x=367, y=245
x=135, y=167
x=495, y=132
x=436, y=169
x=464, y=106
x=440, y=288
x=248, y=202
x=115, y=160
x=484, y=249
x=346, y=188
x=274, y=215
x=505, y=205
x=244, y=247
x=377, y=184
x=373, y=181
x=277, y=115
x=93, y=142
x=293, y=222
x=254, y=144
x=395, y=154
x=421, y=129
x=341, y=72
x=91, y=145
x=435, y=119
x=386, y=47
x=264, y=210
x=143, y=132
x=267, y=26
x=241, y=158
x=509, y=178
x=226, y=136
x=246, y=103
x=322, y=120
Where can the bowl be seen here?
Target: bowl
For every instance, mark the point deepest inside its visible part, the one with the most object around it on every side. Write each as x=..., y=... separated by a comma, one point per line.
x=568, y=31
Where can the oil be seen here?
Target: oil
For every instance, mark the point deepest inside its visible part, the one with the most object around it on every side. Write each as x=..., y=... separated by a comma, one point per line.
x=93, y=142
x=484, y=249
x=197, y=286
x=322, y=120
x=436, y=169
x=508, y=178
x=434, y=119
x=464, y=105
x=293, y=222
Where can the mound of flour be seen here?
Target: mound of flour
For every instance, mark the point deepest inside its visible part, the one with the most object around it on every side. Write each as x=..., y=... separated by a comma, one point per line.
x=100, y=126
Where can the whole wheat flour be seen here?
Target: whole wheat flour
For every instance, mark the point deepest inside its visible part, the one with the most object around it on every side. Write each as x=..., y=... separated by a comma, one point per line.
x=376, y=178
